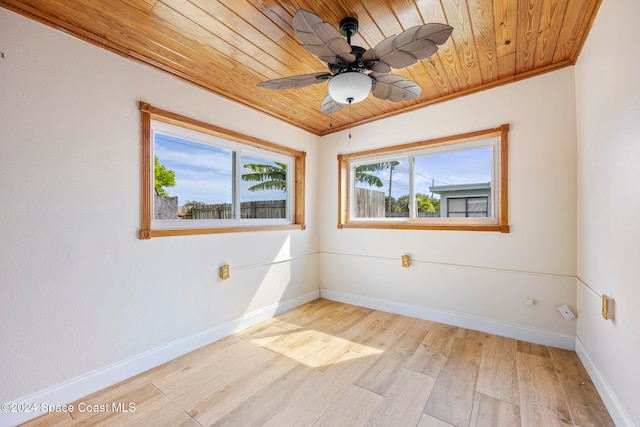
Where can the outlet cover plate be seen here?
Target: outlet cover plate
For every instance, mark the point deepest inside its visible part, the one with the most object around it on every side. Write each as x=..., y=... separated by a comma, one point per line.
x=566, y=312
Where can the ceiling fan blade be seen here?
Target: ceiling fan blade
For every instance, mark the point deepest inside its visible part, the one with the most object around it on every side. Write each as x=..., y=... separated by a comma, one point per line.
x=329, y=105
x=295, y=82
x=408, y=47
x=394, y=88
x=321, y=38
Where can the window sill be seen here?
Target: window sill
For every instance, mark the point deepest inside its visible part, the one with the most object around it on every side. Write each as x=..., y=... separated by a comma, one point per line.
x=416, y=226
x=148, y=234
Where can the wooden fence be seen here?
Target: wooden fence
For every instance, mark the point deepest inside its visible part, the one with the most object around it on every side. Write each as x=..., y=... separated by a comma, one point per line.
x=372, y=204
x=369, y=203
x=253, y=210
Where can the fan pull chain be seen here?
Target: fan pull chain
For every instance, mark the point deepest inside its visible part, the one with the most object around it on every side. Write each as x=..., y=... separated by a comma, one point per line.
x=350, y=120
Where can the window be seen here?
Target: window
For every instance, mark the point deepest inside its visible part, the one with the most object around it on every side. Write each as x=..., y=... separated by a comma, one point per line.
x=458, y=183
x=465, y=207
x=201, y=179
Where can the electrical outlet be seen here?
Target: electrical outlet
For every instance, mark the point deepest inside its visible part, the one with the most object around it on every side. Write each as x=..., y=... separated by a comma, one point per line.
x=529, y=301
x=224, y=272
x=605, y=307
x=566, y=312
x=405, y=261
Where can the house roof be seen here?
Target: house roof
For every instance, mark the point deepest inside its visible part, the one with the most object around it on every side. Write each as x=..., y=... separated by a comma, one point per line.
x=460, y=187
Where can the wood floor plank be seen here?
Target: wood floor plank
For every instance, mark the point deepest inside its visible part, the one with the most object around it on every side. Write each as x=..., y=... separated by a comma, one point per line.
x=377, y=333
x=196, y=356
x=262, y=405
x=352, y=409
x=427, y=420
x=585, y=405
x=304, y=348
x=491, y=412
x=256, y=329
x=194, y=381
x=54, y=419
x=469, y=334
x=381, y=375
x=309, y=404
x=151, y=408
x=453, y=395
x=347, y=322
x=498, y=375
x=542, y=402
x=433, y=351
x=215, y=406
x=329, y=354
x=305, y=313
x=289, y=339
x=404, y=404
x=339, y=337
x=271, y=334
x=330, y=322
x=535, y=349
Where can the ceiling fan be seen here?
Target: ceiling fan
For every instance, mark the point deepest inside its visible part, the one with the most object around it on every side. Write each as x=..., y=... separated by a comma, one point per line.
x=355, y=72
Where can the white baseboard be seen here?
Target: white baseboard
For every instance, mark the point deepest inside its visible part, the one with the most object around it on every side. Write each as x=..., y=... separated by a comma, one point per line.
x=620, y=417
x=75, y=388
x=492, y=326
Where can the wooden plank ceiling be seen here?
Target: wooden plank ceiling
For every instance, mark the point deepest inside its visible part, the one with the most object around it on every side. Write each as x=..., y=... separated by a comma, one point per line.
x=229, y=46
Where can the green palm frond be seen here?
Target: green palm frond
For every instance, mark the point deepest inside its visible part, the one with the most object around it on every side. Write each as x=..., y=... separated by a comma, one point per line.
x=363, y=172
x=269, y=177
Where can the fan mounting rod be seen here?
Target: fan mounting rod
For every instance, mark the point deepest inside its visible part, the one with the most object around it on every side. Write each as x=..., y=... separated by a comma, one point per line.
x=349, y=27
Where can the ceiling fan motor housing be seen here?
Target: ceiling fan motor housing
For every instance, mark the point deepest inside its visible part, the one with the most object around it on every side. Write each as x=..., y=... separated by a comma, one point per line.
x=349, y=27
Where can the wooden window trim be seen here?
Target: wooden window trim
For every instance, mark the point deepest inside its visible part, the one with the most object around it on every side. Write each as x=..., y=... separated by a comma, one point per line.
x=149, y=113
x=502, y=225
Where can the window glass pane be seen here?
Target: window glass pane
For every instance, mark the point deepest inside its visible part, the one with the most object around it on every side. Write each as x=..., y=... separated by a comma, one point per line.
x=457, y=205
x=453, y=176
x=263, y=193
x=477, y=205
x=193, y=180
x=381, y=189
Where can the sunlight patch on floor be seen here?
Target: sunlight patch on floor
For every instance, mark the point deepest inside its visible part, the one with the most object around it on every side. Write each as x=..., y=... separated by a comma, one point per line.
x=327, y=348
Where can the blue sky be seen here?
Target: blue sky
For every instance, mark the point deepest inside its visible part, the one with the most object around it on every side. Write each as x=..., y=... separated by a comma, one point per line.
x=204, y=172
x=454, y=167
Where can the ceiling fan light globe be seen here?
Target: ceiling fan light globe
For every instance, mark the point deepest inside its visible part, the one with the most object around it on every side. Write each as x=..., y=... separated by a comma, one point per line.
x=350, y=87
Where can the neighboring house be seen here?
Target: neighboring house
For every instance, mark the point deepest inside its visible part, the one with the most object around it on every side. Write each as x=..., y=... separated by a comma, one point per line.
x=464, y=200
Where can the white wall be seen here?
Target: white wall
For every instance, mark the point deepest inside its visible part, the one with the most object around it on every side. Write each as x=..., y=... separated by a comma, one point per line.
x=481, y=277
x=608, y=117
x=79, y=290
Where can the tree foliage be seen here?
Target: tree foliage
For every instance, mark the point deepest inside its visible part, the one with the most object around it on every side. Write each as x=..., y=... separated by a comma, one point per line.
x=425, y=203
x=364, y=175
x=163, y=177
x=268, y=177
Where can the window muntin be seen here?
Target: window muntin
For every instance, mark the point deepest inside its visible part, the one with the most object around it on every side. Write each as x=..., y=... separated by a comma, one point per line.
x=425, y=178
x=222, y=181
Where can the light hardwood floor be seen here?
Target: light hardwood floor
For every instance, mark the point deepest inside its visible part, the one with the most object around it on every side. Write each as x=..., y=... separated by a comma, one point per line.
x=333, y=364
